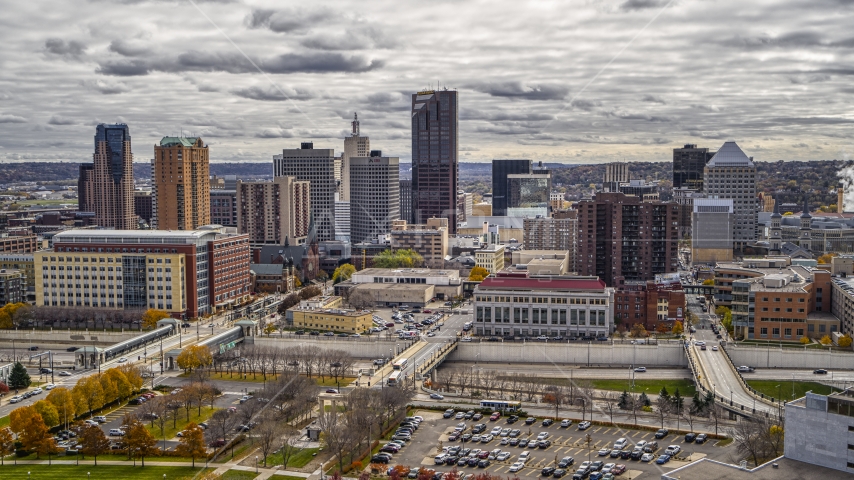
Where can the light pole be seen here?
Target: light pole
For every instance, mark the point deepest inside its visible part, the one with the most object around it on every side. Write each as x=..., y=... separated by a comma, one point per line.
x=256, y=465
x=730, y=396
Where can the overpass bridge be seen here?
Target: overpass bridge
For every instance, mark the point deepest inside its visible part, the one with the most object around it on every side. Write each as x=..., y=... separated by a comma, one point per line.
x=243, y=331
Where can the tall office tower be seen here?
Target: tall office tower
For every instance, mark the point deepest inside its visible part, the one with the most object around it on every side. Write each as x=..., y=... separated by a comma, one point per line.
x=688, y=164
x=318, y=167
x=354, y=146
x=374, y=195
x=274, y=213
x=406, y=200
x=528, y=195
x=435, y=155
x=501, y=169
x=731, y=174
x=180, y=181
x=342, y=220
x=615, y=174
x=109, y=183
x=84, y=195
x=622, y=236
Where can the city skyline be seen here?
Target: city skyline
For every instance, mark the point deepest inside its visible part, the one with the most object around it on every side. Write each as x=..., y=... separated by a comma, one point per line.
x=612, y=81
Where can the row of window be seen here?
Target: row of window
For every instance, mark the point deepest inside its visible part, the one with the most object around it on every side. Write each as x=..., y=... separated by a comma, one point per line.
x=540, y=315
x=552, y=300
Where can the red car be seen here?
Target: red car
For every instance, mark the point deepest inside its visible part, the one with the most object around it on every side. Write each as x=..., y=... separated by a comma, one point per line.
x=483, y=454
x=428, y=311
x=618, y=469
x=495, y=416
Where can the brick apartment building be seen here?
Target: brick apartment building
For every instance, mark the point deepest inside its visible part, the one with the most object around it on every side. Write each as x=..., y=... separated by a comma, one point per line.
x=650, y=303
x=19, y=244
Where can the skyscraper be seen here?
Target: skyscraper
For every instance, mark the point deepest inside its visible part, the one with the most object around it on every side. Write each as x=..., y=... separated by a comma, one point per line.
x=108, y=184
x=354, y=146
x=84, y=196
x=435, y=148
x=731, y=174
x=406, y=200
x=615, y=174
x=274, y=212
x=180, y=179
x=501, y=169
x=318, y=167
x=374, y=195
x=688, y=164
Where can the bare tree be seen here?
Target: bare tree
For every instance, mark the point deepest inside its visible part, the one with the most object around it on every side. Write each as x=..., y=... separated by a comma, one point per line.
x=635, y=403
x=662, y=408
x=716, y=414
x=585, y=391
x=268, y=435
x=749, y=441
x=221, y=426
x=610, y=402
x=689, y=414
x=556, y=396
x=288, y=445
x=337, y=433
x=361, y=299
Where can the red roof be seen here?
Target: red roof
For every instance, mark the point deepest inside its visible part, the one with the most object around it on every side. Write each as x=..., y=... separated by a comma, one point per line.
x=544, y=283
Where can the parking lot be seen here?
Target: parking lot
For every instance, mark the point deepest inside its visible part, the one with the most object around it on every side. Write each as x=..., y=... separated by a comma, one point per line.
x=432, y=438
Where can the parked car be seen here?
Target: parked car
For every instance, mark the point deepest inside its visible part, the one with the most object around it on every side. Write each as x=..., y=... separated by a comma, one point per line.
x=661, y=433
x=565, y=422
x=548, y=422
x=530, y=420
x=673, y=450
x=64, y=374
x=436, y=396
x=584, y=425
x=566, y=462
x=701, y=438
x=663, y=459
x=689, y=437
x=115, y=432
x=495, y=416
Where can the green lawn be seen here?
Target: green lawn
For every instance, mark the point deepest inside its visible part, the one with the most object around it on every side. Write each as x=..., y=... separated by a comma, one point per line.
x=288, y=477
x=258, y=378
x=238, y=475
x=119, y=458
x=101, y=472
x=240, y=450
x=297, y=460
x=775, y=388
x=169, y=431
x=4, y=421
x=70, y=201
x=685, y=386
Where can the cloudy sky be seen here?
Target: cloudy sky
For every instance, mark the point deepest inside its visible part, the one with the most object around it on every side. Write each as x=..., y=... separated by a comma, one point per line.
x=578, y=81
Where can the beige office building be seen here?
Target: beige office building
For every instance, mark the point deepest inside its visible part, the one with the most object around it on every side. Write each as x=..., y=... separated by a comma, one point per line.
x=429, y=240
x=274, y=212
x=490, y=257
x=181, y=187
x=354, y=146
x=332, y=320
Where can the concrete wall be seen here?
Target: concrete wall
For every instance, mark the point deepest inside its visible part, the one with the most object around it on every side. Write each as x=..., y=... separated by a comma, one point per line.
x=671, y=355
x=357, y=347
x=760, y=357
x=26, y=338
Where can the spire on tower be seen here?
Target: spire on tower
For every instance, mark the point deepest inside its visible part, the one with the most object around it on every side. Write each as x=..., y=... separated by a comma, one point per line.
x=355, y=124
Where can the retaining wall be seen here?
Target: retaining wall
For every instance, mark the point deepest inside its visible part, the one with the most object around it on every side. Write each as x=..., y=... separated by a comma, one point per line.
x=357, y=347
x=669, y=355
x=761, y=357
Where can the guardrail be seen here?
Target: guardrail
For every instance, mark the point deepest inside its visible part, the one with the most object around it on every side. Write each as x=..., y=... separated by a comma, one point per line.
x=773, y=402
x=438, y=357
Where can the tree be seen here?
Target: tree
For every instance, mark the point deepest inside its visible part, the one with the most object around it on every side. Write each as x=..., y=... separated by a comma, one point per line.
x=63, y=401
x=555, y=396
x=624, y=401
x=662, y=404
x=267, y=434
x=661, y=327
x=192, y=444
x=638, y=331
x=94, y=442
x=403, y=258
x=4, y=389
x=18, y=377
x=825, y=340
x=30, y=428
x=709, y=281
x=844, y=341
x=477, y=274
x=343, y=273
x=677, y=328
x=132, y=374
x=826, y=258
x=645, y=401
x=194, y=356
x=11, y=313
x=361, y=299
x=805, y=341
x=677, y=402
x=721, y=311
x=7, y=443
x=288, y=447
x=152, y=316
x=310, y=291
x=139, y=441
x=88, y=394
x=48, y=412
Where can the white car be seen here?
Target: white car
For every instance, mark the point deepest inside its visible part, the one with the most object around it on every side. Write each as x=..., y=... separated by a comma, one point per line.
x=497, y=431
x=516, y=467
x=608, y=467
x=465, y=339
x=640, y=369
x=38, y=391
x=460, y=415
x=565, y=422
x=123, y=360
x=64, y=374
x=49, y=386
x=503, y=456
x=647, y=457
x=673, y=450
x=543, y=436
x=16, y=399
x=714, y=348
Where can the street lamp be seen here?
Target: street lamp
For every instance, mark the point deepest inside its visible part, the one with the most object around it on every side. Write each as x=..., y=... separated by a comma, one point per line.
x=256, y=465
x=730, y=396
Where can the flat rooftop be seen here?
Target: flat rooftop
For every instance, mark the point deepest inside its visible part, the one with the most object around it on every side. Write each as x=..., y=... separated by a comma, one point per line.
x=544, y=283
x=407, y=272
x=787, y=469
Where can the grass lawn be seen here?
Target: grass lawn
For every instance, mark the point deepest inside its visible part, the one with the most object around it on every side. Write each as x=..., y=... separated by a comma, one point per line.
x=685, y=386
x=58, y=201
x=770, y=388
x=288, y=477
x=258, y=378
x=242, y=449
x=169, y=431
x=760, y=343
x=105, y=472
x=298, y=460
x=4, y=421
x=238, y=475
x=330, y=382
x=123, y=458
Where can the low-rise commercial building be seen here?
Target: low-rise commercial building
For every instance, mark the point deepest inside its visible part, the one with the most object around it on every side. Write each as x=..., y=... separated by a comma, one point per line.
x=140, y=269
x=542, y=262
x=445, y=283
x=490, y=257
x=332, y=319
x=820, y=430
x=652, y=303
x=429, y=240
x=13, y=287
x=19, y=244
x=514, y=305
x=20, y=261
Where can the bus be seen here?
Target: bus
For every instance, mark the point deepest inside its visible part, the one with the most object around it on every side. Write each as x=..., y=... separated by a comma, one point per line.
x=400, y=364
x=501, y=405
x=395, y=378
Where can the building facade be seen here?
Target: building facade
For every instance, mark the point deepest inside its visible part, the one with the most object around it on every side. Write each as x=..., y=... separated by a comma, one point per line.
x=654, y=304
x=374, y=195
x=224, y=207
x=114, y=269
x=332, y=320
x=525, y=191
x=430, y=240
x=276, y=212
x=84, y=195
x=615, y=174
x=622, y=236
x=711, y=231
x=685, y=196
x=180, y=179
x=342, y=221
x=689, y=163
x=406, y=200
x=731, y=174
x=550, y=306
x=13, y=286
x=318, y=167
x=143, y=205
x=544, y=233
x=501, y=170
x=820, y=430
x=22, y=262
x=354, y=146
x=108, y=185
x=19, y=244
x=435, y=155
x=490, y=257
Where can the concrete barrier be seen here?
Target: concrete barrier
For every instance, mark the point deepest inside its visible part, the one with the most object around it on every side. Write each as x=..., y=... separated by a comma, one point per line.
x=593, y=354
x=358, y=348
x=762, y=357
x=26, y=338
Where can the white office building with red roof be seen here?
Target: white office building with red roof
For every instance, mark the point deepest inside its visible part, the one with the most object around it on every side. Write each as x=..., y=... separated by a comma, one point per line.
x=513, y=305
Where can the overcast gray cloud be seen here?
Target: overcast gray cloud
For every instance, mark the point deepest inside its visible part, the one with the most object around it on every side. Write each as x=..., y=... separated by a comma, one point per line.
x=578, y=81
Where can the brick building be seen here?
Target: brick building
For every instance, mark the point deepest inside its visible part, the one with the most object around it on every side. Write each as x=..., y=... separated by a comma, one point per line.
x=19, y=244
x=650, y=303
